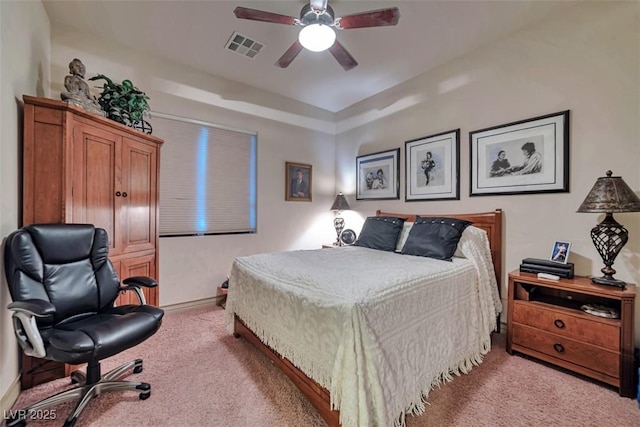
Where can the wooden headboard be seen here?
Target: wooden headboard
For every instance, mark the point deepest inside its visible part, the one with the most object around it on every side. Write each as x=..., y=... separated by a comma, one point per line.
x=491, y=222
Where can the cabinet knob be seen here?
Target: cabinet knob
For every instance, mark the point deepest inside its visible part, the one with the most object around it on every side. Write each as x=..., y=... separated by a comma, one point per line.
x=124, y=194
x=117, y=194
x=558, y=323
x=558, y=347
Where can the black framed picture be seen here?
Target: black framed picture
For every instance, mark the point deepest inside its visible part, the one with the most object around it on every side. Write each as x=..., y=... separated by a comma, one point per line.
x=378, y=176
x=432, y=165
x=528, y=156
x=297, y=182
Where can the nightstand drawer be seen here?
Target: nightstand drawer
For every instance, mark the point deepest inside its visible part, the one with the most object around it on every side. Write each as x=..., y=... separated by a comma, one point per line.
x=594, y=358
x=593, y=331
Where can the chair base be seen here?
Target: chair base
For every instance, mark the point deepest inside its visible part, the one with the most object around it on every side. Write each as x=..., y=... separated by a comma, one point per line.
x=85, y=391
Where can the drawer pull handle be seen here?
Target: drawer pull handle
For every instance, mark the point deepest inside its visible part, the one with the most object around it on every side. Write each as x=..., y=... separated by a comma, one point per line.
x=558, y=347
x=559, y=323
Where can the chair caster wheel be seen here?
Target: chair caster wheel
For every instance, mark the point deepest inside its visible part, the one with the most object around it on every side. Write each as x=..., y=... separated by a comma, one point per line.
x=138, y=367
x=78, y=378
x=146, y=390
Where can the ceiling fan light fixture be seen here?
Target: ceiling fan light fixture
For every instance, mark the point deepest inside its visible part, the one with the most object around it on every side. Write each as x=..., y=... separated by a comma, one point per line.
x=317, y=37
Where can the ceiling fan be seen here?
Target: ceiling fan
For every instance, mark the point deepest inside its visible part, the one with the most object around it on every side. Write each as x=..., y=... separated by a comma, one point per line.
x=318, y=20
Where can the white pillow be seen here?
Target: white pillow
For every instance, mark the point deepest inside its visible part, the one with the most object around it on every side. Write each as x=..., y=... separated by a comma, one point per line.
x=466, y=235
x=406, y=227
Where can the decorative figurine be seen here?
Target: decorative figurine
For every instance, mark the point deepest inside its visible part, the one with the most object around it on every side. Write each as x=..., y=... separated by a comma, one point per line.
x=78, y=92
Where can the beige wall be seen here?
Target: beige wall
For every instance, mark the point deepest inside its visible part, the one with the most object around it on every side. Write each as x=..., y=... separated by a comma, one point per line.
x=192, y=267
x=587, y=61
x=24, y=61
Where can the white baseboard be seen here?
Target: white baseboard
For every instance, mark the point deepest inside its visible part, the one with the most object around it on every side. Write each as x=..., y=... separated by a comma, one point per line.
x=191, y=304
x=10, y=397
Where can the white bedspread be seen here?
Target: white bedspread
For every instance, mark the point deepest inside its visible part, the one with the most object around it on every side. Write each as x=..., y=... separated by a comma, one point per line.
x=377, y=329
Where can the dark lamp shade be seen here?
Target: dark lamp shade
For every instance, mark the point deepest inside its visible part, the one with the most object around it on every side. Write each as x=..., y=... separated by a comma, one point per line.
x=340, y=203
x=610, y=194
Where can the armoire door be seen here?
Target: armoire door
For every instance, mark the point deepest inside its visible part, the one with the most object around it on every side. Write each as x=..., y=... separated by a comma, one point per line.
x=96, y=180
x=138, y=204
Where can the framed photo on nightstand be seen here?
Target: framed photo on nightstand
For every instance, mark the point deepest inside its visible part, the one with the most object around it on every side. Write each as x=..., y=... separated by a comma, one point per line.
x=560, y=252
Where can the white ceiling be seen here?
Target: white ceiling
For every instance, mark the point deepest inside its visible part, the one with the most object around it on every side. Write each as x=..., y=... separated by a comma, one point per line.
x=194, y=33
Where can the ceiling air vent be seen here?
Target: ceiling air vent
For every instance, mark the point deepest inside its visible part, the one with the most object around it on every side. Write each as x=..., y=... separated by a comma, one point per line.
x=243, y=45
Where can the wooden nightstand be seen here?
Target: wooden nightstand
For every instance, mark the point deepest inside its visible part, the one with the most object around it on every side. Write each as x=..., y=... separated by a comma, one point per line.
x=545, y=321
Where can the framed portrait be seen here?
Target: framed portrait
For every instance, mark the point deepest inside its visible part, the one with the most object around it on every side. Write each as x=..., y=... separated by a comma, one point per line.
x=297, y=182
x=529, y=156
x=560, y=252
x=432, y=165
x=378, y=176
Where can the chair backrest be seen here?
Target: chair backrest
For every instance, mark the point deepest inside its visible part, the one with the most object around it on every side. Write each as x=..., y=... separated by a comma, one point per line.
x=65, y=264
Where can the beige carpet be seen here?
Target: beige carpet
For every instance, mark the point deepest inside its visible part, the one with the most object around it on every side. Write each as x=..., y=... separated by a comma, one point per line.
x=201, y=376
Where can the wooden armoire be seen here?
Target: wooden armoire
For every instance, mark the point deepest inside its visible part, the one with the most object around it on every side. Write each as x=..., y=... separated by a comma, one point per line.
x=79, y=167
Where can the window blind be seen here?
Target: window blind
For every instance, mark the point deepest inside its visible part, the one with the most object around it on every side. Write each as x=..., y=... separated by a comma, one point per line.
x=207, y=178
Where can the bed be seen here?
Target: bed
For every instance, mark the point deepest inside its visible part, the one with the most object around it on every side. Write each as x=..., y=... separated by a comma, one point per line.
x=366, y=334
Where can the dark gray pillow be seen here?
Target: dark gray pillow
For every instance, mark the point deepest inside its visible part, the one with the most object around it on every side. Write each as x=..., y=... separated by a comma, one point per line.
x=380, y=232
x=435, y=237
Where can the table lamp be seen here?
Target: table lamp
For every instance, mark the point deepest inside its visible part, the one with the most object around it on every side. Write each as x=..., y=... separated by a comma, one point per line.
x=609, y=194
x=339, y=204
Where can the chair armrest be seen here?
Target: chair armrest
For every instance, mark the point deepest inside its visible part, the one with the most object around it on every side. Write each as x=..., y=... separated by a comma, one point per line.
x=34, y=307
x=25, y=326
x=145, y=281
x=137, y=291
x=134, y=283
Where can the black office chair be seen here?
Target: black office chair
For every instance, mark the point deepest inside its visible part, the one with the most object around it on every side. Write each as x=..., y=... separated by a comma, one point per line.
x=64, y=287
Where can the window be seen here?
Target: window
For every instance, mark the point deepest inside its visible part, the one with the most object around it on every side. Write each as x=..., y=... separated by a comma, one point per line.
x=207, y=178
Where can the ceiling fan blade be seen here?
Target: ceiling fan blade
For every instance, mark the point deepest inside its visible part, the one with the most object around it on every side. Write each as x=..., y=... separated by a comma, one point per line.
x=374, y=18
x=260, y=15
x=289, y=55
x=343, y=57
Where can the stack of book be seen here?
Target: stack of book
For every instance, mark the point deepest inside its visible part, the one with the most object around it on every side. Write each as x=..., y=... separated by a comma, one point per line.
x=535, y=265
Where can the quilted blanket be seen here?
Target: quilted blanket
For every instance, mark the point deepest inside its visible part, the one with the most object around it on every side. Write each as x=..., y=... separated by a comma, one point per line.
x=376, y=329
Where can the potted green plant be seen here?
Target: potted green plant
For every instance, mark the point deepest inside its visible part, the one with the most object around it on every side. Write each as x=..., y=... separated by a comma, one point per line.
x=124, y=103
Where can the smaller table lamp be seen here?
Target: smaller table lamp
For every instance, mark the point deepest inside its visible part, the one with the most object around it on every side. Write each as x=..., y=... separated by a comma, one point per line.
x=609, y=194
x=339, y=204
